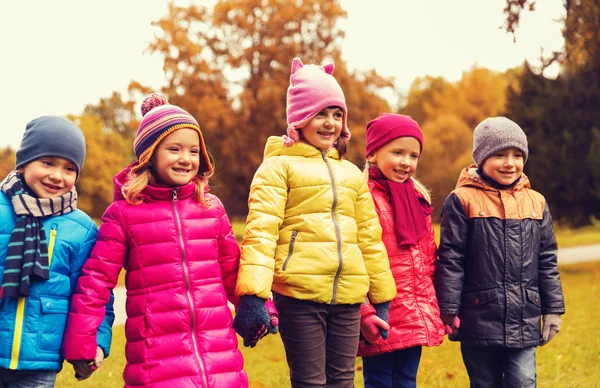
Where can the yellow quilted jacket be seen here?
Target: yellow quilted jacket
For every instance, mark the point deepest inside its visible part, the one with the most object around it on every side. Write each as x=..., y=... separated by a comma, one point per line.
x=312, y=232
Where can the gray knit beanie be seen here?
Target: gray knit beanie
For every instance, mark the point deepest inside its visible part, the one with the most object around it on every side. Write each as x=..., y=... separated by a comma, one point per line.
x=495, y=134
x=52, y=136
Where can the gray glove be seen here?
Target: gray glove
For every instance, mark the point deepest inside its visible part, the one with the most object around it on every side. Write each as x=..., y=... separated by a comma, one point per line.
x=550, y=327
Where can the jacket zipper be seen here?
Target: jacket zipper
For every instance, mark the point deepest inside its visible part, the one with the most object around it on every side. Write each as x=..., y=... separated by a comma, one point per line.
x=187, y=288
x=20, y=313
x=337, y=228
x=289, y=256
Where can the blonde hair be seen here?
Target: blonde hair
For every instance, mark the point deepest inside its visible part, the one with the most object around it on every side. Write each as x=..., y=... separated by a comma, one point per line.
x=137, y=182
x=420, y=187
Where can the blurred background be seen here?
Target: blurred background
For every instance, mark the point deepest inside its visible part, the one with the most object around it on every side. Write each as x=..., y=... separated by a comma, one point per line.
x=447, y=63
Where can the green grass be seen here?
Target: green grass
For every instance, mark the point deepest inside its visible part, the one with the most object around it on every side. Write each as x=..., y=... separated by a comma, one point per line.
x=575, y=237
x=572, y=359
x=566, y=237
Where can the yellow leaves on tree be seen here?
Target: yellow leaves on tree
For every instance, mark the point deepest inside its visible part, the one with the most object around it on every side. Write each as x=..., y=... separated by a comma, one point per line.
x=105, y=157
x=448, y=113
x=7, y=161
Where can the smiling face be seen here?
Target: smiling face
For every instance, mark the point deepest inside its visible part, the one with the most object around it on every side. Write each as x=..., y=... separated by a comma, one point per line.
x=49, y=176
x=176, y=160
x=324, y=129
x=505, y=166
x=398, y=158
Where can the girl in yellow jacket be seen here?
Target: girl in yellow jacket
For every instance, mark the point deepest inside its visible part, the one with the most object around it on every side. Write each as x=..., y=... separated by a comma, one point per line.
x=312, y=238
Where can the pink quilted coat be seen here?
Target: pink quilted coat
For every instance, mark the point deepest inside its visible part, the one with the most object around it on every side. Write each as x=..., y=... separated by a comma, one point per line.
x=182, y=263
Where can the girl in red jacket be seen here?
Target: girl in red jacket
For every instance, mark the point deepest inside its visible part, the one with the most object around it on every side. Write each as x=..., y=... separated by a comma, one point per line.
x=176, y=243
x=391, y=353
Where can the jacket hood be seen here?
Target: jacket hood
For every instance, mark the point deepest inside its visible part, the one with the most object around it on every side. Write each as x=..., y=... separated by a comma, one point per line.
x=276, y=147
x=151, y=193
x=469, y=177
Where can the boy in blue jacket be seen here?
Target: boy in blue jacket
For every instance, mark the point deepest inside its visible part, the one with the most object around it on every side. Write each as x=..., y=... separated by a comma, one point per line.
x=44, y=242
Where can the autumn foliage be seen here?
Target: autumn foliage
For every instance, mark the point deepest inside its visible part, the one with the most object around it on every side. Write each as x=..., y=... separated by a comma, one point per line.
x=229, y=66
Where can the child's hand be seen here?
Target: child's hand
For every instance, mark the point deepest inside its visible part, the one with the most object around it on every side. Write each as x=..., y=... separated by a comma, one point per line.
x=451, y=323
x=371, y=328
x=551, y=327
x=252, y=320
x=84, y=369
x=382, y=311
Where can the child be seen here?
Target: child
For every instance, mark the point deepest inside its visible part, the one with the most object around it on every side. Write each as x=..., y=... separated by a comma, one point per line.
x=176, y=243
x=497, y=266
x=44, y=242
x=394, y=144
x=313, y=237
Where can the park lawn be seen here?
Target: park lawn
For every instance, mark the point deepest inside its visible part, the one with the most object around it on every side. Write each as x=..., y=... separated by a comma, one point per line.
x=572, y=359
x=565, y=237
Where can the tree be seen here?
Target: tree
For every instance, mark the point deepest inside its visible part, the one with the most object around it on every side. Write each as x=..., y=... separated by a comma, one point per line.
x=448, y=142
x=448, y=113
x=7, y=161
x=229, y=66
x=106, y=155
x=562, y=120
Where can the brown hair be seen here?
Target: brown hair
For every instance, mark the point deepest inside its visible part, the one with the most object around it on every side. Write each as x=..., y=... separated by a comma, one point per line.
x=137, y=182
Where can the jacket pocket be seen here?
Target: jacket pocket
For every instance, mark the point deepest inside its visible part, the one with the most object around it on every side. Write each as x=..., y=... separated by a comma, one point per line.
x=52, y=323
x=532, y=312
x=481, y=317
x=290, y=250
x=533, y=297
x=479, y=298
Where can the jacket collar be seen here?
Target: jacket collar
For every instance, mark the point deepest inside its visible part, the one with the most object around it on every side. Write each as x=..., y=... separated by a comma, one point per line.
x=275, y=147
x=154, y=192
x=469, y=177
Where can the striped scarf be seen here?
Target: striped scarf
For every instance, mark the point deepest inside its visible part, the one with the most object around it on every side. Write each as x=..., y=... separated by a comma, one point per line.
x=27, y=253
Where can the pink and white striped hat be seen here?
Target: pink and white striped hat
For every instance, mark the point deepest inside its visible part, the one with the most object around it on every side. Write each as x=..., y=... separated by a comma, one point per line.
x=161, y=119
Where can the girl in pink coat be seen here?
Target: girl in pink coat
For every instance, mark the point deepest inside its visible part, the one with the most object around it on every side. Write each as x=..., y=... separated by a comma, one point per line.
x=176, y=243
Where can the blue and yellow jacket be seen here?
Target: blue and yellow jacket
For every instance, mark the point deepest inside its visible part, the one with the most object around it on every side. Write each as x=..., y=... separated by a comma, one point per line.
x=31, y=328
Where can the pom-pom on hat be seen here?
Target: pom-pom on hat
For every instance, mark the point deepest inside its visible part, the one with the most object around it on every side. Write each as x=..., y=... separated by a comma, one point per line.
x=496, y=134
x=159, y=120
x=312, y=89
x=389, y=126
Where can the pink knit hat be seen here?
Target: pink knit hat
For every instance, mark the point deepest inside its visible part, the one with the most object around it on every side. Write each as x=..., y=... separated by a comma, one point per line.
x=312, y=89
x=389, y=126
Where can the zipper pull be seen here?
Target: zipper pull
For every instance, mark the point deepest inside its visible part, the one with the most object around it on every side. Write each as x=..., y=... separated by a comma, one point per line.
x=174, y=195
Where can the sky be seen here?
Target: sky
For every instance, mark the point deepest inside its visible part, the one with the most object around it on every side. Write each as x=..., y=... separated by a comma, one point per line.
x=58, y=56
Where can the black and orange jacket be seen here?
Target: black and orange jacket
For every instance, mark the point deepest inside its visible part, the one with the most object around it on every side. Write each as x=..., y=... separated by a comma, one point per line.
x=497, y=267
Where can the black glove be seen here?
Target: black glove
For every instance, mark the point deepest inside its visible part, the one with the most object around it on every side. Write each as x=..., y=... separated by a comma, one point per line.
x=252, y=320
x=382, y=310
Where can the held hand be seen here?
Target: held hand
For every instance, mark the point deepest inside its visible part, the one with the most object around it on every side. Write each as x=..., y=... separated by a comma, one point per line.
x=451, y=323
x=371, y=328
x=551, y=327
x=84, y=369
x=253, y=321
x=382, y=311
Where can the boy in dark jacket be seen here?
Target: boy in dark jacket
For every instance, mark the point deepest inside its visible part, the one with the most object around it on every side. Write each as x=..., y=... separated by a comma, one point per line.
x=497, y=273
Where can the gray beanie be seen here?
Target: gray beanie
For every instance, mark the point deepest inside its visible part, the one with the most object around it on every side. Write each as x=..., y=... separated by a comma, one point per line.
x=495, y=134
x=52, y=136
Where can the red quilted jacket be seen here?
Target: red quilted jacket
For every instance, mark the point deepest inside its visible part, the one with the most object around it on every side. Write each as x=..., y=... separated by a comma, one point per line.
x=414, y=315
x=182, y=262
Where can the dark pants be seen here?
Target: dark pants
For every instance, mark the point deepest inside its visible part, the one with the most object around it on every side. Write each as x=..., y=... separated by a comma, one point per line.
x=392, y=370
x=27, y=378
x=497, y=367
x=320, y=340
